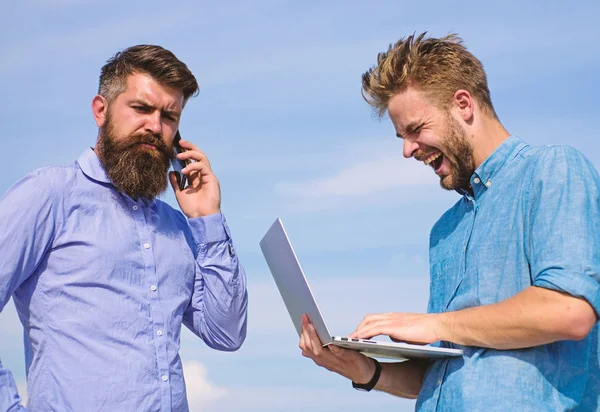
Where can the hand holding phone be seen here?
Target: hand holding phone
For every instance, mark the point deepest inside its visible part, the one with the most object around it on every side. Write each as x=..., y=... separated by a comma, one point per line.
x=177, y=164
x=202, y=194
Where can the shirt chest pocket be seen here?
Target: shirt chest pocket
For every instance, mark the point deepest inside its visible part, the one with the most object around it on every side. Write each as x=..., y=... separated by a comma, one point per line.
x=445, y=278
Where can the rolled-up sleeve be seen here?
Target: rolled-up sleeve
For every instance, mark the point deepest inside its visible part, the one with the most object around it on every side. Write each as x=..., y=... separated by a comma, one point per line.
x=219, y=304
x=564, y=239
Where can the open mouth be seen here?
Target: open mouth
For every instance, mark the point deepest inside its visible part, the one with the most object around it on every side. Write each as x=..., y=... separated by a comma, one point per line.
x=435, y=160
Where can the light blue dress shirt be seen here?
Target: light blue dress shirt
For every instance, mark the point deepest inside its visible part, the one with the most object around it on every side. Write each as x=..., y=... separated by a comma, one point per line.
x=533, y=219
x=102, y=284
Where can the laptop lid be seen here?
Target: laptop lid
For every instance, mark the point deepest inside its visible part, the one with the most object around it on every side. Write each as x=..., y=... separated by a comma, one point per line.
x=290, y=280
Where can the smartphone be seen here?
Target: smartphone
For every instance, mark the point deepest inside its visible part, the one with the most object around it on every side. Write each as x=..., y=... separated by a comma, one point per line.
x=177, y=164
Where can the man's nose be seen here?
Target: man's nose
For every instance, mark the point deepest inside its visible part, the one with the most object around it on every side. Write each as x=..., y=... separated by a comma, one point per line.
x=154, y=123
x=409, y=148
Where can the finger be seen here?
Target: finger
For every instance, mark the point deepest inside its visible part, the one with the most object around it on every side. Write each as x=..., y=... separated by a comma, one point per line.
x=200, y=166
x=196, y=155
x=380, y=327
x=173, y=177
x=315, y=342
x=191, y=152
x=187, y=145
x=307, y=344
x=367, y=320
x=336, y=350
x=312, y=334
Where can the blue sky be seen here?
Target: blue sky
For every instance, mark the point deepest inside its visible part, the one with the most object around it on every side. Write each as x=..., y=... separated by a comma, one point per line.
x=281, y=117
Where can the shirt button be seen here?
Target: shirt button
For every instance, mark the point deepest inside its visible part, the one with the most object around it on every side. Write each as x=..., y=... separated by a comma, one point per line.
x=146, y=246
x=164, y=378
x=153, y=288
x=488, y=183
x=135, y=207
x=159, y=332
x=439, y=382
x=476, y=180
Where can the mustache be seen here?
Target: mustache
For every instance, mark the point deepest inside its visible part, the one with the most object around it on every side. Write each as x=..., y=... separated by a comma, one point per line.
x=152, y=139
x=148, y=138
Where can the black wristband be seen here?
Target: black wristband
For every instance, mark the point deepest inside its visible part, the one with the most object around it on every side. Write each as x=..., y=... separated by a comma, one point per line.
x=366, y=387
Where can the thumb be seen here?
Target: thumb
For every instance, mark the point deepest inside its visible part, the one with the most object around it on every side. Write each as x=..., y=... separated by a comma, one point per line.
x=174, y=178
x=335, y=350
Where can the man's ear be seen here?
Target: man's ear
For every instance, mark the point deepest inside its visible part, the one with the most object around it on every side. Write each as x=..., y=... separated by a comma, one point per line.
x=99, y=109
x=464, y=104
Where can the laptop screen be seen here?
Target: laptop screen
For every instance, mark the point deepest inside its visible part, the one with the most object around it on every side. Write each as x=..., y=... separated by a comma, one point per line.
x=290, y=280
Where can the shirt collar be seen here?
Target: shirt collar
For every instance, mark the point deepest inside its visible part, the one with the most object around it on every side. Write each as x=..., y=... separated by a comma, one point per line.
x=484, y=175
x=92, y=167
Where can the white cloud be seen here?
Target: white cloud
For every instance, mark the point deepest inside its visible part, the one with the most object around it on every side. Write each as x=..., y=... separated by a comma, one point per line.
x=378, y=173
x=200, y=391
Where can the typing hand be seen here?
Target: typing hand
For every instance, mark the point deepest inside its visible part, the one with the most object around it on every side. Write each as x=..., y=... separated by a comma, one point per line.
x=404, y=327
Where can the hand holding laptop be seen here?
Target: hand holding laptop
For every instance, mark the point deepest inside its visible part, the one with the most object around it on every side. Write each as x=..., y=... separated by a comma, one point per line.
x=349, y=363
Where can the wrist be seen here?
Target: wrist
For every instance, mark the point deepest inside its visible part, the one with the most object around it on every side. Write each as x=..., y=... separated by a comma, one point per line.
x=365, y=385
x=443, y=326
x=202, y=213
x=365, y=372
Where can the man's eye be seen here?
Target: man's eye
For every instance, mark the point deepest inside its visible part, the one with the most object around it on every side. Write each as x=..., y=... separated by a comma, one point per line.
x=142, y=109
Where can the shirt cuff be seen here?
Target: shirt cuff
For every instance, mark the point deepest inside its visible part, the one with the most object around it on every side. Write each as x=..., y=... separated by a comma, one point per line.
x=575, y=284
x=209, y=229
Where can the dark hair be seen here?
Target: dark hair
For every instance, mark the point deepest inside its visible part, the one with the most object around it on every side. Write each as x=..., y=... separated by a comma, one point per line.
x=155, y=61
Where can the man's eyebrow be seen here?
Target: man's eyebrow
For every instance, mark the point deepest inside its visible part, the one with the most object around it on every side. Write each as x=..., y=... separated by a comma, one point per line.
x=143, y=103
x=163, y=111
x=175, y=113
x=411, y=127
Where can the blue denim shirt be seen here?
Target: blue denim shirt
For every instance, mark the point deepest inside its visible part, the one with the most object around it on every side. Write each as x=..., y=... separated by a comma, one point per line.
x=102, y=285
x=533, y=219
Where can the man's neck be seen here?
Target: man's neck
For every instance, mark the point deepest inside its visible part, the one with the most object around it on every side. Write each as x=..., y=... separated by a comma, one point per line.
x=488, y=137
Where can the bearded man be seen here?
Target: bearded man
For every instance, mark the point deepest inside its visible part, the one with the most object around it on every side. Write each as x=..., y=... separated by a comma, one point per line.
x=514, y=264
x=103, y=274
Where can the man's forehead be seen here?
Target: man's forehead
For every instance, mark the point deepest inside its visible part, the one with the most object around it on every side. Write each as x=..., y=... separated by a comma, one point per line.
x=409, y=106
x=144, y=87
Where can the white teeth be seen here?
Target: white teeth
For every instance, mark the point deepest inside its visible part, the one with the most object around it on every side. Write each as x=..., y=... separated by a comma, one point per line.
x=431, y=158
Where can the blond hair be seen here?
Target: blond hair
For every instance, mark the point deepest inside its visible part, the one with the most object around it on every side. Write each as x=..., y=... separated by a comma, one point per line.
x=438, y=67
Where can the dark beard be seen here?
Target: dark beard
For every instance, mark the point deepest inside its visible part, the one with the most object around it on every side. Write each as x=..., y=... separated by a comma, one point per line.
x=459, y=153
x=134, y=170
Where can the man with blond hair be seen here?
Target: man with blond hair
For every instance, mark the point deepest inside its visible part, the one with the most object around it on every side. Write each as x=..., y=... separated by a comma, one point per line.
x=514, y=264
x=103, y=274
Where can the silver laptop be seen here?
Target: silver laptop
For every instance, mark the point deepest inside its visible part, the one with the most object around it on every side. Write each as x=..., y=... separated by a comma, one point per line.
x=298, y=299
